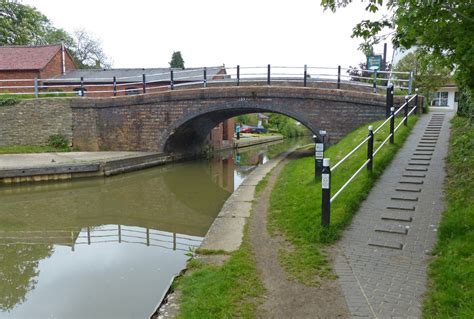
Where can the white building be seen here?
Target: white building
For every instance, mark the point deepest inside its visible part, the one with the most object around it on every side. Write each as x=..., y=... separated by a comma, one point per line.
x=445, y=98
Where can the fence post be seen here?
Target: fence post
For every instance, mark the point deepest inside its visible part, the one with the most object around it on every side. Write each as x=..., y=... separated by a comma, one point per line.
x=389, y=103
x=338, y=76
x=374, y=85
x=36, y=87
x=268, y=74
x=171, y=80
x=416, y=101
x=115, y=85
x=144, y=83
x=370, y=149
x=410, y=82
x=238, y=75
x=82, y=86
x=392, y=125
x=405, y=121
x=205, y=76
x=326, y=193
x=305, y=74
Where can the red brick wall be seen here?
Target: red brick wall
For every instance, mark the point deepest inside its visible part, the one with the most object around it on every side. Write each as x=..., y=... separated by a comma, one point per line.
x=54, y=67
x=23, y=75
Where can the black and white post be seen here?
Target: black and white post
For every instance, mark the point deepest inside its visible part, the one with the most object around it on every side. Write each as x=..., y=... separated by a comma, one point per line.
x=370, y=149
x=318, y=156
x=326, y=193
x=392, y=125
x=405, y=120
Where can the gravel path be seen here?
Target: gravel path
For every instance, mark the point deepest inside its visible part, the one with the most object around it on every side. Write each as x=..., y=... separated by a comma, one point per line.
x=287, y=298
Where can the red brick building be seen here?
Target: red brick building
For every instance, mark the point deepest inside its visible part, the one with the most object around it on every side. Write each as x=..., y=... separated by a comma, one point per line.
x=54, y=68
x=20, y=65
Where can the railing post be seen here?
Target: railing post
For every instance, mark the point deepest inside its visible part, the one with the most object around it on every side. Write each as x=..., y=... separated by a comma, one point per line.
x=410, y=82
x=370, y=149
x=88, y=235
x=305, y=74
x=36, y=88
x=392, y=125
x=205, y=76
x=144, y=83
x=326, y=193
x=338, y=76
x=171, y=80
x=119, y=234
x=405, y=120
x=268, y=74
x=148, y=236
x=238, y=75
x=115, y=85
x=374, y=85
x=389, y=103
x=416, y=101
x=82, y=86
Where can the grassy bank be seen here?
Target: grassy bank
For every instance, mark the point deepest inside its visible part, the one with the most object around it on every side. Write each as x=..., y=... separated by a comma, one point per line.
x=451, y=293
x=233, y=290
x=295, y=206
x=21, y=149
x=229, y=291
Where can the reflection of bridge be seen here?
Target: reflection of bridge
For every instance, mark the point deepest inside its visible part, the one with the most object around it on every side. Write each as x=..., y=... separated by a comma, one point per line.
x=101, y=235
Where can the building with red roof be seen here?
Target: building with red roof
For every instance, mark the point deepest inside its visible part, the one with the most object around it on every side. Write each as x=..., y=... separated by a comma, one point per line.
x=25, y=63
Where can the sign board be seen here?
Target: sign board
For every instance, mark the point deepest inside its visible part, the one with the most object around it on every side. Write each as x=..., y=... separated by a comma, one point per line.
x=319, y=147
x=319, y=155
x=325, y=181
x=374, y=62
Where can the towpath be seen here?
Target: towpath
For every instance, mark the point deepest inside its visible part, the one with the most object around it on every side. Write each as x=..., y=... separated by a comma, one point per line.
x=383, y=256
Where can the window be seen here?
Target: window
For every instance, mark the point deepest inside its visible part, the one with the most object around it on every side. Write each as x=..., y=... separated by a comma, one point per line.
x=456, y=96
x=132, y=91
x=439, y=99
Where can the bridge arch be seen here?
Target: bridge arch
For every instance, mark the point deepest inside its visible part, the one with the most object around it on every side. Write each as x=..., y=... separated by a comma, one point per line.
x=179, y=120
x=189, y=132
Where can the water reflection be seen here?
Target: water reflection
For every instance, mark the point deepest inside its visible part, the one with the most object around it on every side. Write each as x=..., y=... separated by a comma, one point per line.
x=108, y=248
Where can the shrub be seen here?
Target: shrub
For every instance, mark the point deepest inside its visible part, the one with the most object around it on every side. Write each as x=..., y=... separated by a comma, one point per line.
x=58, y=141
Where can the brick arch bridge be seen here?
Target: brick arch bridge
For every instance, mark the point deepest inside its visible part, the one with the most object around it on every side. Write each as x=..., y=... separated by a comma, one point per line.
x=179, y=121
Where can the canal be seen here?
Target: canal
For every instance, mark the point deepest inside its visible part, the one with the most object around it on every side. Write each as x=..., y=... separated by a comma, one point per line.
x=109, y=248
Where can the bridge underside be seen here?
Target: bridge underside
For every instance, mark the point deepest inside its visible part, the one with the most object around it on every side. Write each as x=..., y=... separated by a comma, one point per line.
x=191, y=136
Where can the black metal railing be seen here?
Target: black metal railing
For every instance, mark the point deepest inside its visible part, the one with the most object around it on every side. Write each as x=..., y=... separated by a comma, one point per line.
x=176, y=78
x=327, y=170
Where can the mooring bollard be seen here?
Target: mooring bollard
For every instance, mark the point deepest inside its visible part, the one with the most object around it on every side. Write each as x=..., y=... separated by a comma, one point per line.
x=326, y=193
x=370, y=149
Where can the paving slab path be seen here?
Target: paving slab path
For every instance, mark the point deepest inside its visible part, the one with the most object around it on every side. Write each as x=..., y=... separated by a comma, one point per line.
x=382, y=258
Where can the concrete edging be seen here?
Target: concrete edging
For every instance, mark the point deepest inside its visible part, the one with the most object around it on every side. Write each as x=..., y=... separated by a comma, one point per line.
x=227, y=230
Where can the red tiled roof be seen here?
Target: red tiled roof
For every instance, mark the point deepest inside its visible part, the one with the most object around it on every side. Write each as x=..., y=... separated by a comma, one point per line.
x=26, y=57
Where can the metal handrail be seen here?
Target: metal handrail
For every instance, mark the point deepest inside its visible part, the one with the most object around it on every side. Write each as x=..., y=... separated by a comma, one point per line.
x=350, y=153
x=349, y=180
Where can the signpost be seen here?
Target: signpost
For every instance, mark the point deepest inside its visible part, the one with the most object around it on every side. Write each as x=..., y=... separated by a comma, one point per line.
x=374, y=62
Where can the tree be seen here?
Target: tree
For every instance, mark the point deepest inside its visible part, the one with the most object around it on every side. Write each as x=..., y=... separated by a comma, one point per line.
x=444, y=29
x=21, y=24
x=428, y=74
x=87, y=51
x=24, y=25
x=177, y=60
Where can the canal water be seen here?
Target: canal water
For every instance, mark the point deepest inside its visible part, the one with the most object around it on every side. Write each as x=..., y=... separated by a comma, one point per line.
x=109, y=248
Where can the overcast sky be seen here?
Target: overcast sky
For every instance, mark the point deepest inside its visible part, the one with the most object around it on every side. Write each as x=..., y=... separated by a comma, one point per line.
x=141, y=33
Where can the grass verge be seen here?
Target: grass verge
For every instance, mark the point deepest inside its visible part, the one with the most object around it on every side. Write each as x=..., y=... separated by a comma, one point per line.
x=295, y=205
x=227, y=291
x=451, y=293
x=21, y=149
